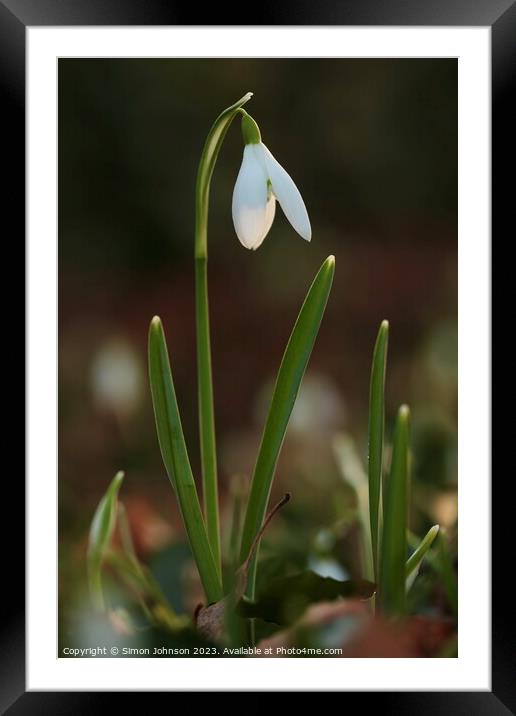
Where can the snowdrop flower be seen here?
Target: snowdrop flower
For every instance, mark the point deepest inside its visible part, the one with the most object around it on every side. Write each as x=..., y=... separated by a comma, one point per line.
x=261, y=180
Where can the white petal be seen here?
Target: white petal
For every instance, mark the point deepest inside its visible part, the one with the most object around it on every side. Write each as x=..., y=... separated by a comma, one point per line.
x=250, y=215
x=286, y=192
x=269, y=218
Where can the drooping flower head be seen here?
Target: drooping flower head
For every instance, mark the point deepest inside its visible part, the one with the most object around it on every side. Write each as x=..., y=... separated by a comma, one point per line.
x=261, y=180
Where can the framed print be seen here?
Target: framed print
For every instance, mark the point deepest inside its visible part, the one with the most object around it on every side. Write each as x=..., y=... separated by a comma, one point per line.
x=280, y=456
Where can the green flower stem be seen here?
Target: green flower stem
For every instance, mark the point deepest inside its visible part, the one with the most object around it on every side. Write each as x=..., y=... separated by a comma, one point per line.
x=204, y=374
x=206, y=410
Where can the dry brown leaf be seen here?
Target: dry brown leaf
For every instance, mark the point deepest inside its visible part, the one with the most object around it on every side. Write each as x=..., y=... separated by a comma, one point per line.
x=210, y=620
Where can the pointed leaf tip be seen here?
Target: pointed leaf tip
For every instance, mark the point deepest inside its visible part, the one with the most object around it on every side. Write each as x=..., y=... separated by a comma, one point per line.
x=155, y=327
x=101, y=531
x=330, y=263
x=404, y=412
x=414, y=562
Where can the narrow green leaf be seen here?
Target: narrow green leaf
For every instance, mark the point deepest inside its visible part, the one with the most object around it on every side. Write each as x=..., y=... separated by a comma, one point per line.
x=101, y=532
x=376, y=436
x=292, y=369
x=126, y=537
x=202, y=318
x=440, y=559
x=393, y=546
x=415, y=559
x=175, y=457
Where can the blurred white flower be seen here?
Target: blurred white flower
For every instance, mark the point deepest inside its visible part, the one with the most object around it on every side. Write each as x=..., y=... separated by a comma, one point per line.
x=319, y=408
x=261, y=180
x=327, y=567
x=116, y=378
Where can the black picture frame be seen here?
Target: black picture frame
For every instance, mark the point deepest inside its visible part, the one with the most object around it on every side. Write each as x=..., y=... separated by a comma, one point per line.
x=500, y=15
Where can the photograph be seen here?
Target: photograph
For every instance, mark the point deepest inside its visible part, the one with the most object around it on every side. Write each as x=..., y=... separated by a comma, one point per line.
x=258, y=316
x=257, y=357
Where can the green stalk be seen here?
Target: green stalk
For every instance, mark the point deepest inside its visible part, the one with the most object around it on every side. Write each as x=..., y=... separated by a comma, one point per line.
x=175, y=456
x=376, y=437
x=204, y=374
x=292, y=369
x=393, y=548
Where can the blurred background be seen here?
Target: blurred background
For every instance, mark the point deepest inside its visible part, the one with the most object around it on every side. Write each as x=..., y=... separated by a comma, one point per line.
x=372, y=146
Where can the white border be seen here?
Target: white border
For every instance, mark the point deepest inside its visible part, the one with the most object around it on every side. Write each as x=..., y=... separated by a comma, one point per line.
x=472, y=669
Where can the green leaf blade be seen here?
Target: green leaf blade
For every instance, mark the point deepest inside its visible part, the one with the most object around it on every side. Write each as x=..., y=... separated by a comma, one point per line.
x=288, y=381
x=393, y=546
x=175, y=458
x=416, y=558
x=101, y=532
x=376, y=436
